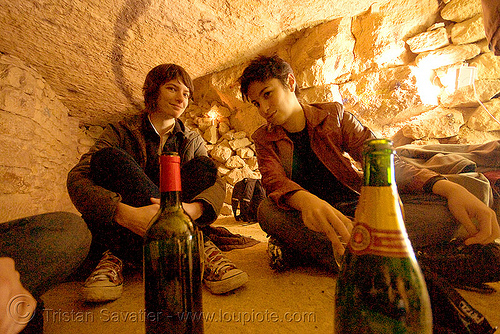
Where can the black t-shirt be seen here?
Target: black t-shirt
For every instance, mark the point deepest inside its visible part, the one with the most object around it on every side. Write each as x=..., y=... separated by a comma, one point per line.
x=310, y=173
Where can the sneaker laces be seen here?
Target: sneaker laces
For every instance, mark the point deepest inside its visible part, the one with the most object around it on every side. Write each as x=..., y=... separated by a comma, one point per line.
x=215, y=258
x=108, y=267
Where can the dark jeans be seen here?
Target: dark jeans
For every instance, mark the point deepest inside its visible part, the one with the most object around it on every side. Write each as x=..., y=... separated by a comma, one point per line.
x=116, y=170
x=427, y=219
x=46, y=248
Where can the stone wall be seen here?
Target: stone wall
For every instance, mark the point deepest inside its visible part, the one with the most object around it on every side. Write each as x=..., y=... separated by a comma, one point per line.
x=37, y=143
x=390, y=67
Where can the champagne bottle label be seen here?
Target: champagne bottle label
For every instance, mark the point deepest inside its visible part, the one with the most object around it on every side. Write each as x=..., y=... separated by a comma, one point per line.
x=377, y=230
x=366, y=240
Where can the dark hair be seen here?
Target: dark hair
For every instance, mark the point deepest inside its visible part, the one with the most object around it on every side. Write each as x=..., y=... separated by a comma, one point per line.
x=263, y=68
x=160, y=75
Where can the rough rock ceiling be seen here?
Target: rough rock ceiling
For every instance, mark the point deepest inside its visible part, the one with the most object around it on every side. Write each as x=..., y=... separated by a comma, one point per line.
x=96, y=53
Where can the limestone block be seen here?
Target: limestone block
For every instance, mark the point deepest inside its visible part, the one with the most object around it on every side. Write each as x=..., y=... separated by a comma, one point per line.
x=29, y=83
x=11, y=76
x=14, y=180
x=15, y=101
x=380, y=35
x=348, y=92
x=437, y=123
x=461, y=10
x=235, y=162
x=223, y=128
x=224, y=142
x=471, y=136
x=446, y=56
x=447, y=74
x=323, y=53
x=239, y=143
x=468, y=31
x=82, y=149
x=220, y=110
x=428, y=40
x=247, y=172
x=245, y=152
x=234, y=176
x=466, y=97
x=239, y=135
x=223, y=170
x=226, y=210
x=482, y=120
x=252, y=163
x=380, y=95
x=221, y=153
x=12, y=126
x=193, y=110
x=204, y=123
x=488, y=66
x=210, y=134
x=247, y=118
x=326, y=93
x=483, y=45
x=10, y=152
x=229, y=135
x=226, y=84
x=87, y=142
x=94, y=131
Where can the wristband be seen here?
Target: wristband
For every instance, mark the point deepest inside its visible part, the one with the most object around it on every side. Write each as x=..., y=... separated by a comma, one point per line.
x=430, y=183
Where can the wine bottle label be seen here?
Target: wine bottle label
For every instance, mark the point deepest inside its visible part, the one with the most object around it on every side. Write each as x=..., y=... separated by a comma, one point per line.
x=170, y=173
x=366, y=240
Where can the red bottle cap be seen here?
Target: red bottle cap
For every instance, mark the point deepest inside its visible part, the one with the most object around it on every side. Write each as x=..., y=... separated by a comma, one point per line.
x=170, y=173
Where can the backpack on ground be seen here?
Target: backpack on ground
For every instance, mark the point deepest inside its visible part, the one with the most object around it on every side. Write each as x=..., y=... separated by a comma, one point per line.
x=246, y=197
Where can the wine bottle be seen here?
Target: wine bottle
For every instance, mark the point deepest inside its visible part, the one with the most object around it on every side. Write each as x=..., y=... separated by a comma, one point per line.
x=380, y=287
x=172, y=266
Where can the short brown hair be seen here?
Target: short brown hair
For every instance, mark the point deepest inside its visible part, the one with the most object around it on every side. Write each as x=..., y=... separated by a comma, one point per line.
x=160, y=75
x=263, y=68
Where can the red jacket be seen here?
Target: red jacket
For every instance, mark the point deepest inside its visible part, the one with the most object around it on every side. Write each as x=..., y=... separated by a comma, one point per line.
x=333, y=132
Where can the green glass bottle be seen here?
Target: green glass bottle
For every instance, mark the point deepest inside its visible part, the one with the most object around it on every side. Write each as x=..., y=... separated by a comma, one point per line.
x=380, y=288
x=172, y=266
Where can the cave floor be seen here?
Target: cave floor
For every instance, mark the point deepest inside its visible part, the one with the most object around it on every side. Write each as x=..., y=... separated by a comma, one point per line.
x=300, y=300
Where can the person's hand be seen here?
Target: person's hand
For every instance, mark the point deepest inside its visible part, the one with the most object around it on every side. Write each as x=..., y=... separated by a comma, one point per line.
x=465, y=207
x=318, y=215
x=194, y=209
x=17, y=305
x=136, y=219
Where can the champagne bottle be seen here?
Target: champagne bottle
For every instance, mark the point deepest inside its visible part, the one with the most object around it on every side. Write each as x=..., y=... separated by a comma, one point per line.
x=380, y=288
x=172, y=266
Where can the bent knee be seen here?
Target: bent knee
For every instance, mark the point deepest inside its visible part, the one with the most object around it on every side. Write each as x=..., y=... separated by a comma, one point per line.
x=75, y=235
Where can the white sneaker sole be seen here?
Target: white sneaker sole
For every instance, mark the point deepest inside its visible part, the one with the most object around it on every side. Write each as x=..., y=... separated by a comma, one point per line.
x=99, y=294
x=229, y=284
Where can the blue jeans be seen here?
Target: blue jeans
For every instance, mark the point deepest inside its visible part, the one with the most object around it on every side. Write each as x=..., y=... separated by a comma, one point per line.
x=46, y=248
